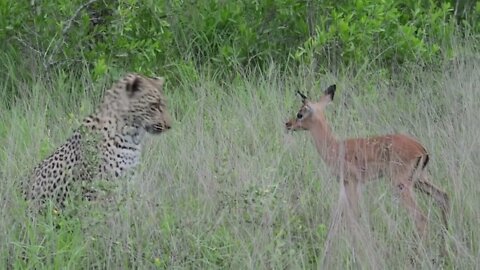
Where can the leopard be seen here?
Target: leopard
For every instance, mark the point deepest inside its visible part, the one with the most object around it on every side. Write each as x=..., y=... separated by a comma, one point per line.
x=107, y=145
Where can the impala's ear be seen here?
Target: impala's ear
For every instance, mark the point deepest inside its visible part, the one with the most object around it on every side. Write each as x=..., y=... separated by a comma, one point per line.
x=302, y=96
x=329, y=94
x=331, y=91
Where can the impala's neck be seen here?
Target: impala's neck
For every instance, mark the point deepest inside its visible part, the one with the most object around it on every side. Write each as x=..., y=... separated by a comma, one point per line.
x=326, y=143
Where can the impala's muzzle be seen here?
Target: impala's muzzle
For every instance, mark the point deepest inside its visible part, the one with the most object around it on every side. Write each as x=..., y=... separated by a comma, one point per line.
x=293, y=125
x=289, y=125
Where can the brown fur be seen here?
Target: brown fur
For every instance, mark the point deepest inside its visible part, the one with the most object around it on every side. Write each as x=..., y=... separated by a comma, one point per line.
x=396, y=156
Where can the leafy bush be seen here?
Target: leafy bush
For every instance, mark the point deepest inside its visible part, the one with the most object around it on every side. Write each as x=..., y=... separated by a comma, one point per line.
x=390, y=32
x=153, y=36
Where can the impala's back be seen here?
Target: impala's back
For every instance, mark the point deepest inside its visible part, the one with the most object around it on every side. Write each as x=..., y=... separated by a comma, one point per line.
x=384, y=155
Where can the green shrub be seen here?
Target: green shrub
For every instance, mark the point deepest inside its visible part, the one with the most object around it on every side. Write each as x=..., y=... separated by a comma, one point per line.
x=154, y=36
x=391, y=32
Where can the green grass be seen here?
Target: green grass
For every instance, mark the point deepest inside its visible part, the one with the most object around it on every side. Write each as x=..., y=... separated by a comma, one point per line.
x=228, y=188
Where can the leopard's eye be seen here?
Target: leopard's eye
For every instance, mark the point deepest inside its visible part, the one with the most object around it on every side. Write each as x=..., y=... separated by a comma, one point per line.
x=156, y=107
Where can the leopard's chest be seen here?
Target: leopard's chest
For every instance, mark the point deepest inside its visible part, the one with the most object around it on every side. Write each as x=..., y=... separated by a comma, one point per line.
x=121, y=156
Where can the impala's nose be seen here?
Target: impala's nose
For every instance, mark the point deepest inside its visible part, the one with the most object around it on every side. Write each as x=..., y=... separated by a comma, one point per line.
x=288, y=125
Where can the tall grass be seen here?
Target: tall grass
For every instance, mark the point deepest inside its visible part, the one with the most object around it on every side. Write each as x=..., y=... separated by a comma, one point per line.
x=228, y=188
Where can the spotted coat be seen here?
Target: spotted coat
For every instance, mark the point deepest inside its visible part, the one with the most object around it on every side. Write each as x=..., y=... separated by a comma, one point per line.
x=108, y=143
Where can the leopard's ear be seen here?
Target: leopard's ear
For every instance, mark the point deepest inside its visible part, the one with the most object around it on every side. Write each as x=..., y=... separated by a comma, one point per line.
x=133, y=85
x=159, y=80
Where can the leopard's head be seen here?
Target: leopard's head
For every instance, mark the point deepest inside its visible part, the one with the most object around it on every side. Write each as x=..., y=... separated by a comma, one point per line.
x=147, y=105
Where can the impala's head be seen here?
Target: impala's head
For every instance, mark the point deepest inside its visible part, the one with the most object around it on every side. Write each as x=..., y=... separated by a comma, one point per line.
x=310, y=112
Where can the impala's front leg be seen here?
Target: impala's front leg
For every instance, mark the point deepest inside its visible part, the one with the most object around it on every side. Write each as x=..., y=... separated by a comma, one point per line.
x=351, y=182
x=351, y=191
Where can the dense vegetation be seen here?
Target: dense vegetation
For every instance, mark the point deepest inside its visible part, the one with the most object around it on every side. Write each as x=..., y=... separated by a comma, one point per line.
x=227, y=187
x=164, y=36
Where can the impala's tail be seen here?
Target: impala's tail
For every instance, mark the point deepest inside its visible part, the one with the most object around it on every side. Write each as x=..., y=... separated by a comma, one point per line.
x=426, y=158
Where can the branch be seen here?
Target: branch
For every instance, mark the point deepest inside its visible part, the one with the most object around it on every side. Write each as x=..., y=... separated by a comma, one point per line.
x=26, y=45
x=75, y=15
x=65, y=30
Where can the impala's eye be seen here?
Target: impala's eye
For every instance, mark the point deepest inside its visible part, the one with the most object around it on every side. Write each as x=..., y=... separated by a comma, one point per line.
x=299, y=115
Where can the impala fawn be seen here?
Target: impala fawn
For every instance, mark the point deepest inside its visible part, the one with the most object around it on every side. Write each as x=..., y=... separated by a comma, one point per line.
x=354, y=161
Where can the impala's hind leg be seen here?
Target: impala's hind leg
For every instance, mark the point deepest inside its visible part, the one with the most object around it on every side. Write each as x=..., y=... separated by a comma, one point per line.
x=405, y=192
x=441, y=197
x=403, y=179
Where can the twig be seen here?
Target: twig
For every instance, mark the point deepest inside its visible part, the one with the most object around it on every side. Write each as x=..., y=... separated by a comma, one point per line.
x=65, y=30
x=455, y=12
x=75, y=15
x=25, y=44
